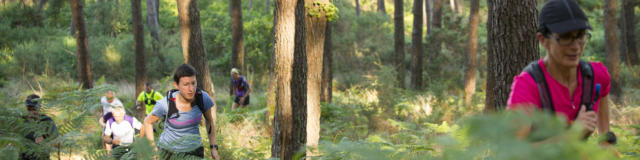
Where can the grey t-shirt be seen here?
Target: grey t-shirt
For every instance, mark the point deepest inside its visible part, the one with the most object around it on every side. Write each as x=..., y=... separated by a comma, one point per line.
x=181, y=134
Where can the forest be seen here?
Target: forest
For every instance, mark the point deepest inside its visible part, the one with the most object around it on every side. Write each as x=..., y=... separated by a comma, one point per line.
x=329, y=79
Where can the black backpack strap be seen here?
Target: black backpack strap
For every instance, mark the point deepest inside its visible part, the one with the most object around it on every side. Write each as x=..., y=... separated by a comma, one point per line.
x=587, y=84
x=172, y=104
x=538, y=75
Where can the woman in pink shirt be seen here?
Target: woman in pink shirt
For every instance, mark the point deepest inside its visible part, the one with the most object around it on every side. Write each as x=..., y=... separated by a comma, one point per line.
x=563, y=33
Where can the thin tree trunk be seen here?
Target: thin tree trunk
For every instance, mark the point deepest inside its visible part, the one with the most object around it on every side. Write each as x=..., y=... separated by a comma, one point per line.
x=472, y=51
x=327, y=60
x=630, y=50
x=398, y=36
x=298, y=93
x=41, y=4
x=416, y=46
x=512, y=44
x=82, y=42
x=237, y=46
x=428, y=15
x=154, y=31
x=285, y=38
x=192, y=47
x=237, y=42
x=381, y=7
x=315, y=39
x=357, y=7
x=612, y=49
x=138, y=40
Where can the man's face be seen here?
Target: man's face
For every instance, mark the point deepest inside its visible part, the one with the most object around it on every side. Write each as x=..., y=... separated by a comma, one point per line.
x=566, y=49
x=187, y=87
x=235, y=76
x=118, y=116
x=110, y=96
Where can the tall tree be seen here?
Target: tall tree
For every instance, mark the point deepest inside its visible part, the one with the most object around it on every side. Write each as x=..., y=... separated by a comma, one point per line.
x=472, y=51
x=82, y=44
x=511, y=43
x=237, y=42
x=398, y=36
x=138, y=40
x=357, y=7
x=629, y=49
x=192, y=47
x=327, y=63
x=290, y=120
x=416, y=46
x=315, y=40
x=611, y=48
x=154, y=31
x=381, y=7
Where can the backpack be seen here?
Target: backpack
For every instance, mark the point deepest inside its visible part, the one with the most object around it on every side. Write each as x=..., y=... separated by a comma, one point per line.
x=153, y=101
x=126, y=118
x=586, y=70
x=198, y=101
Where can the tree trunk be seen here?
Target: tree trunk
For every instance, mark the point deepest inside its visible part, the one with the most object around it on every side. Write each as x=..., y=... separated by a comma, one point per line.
x=41, y=4
x=416, y=46
x=84, y=62
x=452, y=4
x=289, y=137
x=381, y=7
x=398, y=36
x=357, y=7
x=428, y=14
x=237, y=46
x=512, y=44
x=237, y=42
x=629, y=51
x=612, y=49
x=315, y=39
x=472, y=51
x=327, y=60
x=138, y=40
x=192, y=47
x=154, y=31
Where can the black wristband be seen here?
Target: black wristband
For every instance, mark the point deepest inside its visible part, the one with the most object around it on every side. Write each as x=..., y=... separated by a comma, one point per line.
x=213, y=146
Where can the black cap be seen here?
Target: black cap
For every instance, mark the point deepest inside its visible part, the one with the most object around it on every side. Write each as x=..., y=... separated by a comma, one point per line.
x=563, y=16
x=32, y=100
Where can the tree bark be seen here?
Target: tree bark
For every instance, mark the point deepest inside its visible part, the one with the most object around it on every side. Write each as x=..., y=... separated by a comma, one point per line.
x=472, y=51
x=237, y=42
x=82, y=42
x=357, y=7
x=315, y=40
x=629, y=48
x=381, y=7
x=398, y=35
x=237, y=46
x=512, y=44
x=154, y=31
x=327, y=63
x=138, y=40
x=416, y=46
x=612, y=49
x=288, y=137
x=192, y=47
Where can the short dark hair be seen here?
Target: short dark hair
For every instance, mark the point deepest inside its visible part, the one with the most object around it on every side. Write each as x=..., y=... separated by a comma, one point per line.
x=32, y=101
x=184, y=70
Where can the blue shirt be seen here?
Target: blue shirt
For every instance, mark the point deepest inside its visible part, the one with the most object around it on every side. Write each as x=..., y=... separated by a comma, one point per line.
x=181, y=134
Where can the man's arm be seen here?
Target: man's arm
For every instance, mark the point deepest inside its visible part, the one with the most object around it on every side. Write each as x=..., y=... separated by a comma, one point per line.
x=212, y=130
x=148, y=127
x=603, y=115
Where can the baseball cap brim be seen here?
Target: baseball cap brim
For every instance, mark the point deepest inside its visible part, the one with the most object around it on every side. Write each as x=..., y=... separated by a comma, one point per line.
x=568, y=26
